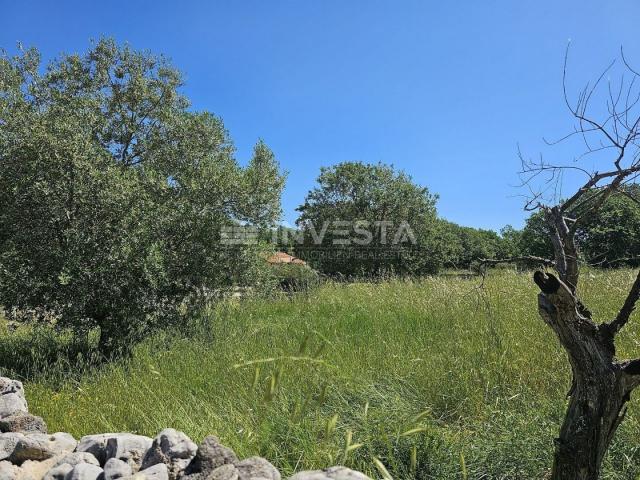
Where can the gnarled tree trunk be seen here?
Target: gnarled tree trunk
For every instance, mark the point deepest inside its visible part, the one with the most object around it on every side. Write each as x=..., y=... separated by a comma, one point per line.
x=601, y=385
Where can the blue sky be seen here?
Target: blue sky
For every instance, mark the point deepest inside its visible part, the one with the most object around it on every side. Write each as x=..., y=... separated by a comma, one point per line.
x=443, y=90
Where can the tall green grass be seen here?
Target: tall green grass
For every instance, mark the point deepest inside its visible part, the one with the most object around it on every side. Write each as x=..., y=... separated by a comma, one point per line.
x=431, y=379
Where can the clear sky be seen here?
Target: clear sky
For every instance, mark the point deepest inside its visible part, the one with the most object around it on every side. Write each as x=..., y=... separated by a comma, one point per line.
x=443, y=90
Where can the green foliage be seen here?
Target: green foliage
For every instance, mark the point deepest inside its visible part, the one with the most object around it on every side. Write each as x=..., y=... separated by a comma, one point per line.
x=611, y=237
x=467, y=245
x=510, y=242
x=535, y=238
x=399, y=367
x=113, y=193
x=364, y=197
x=294, y=277
x=284, y=239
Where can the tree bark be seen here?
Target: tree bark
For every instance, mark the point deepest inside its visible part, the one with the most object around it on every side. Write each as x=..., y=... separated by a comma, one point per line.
x=601, y=385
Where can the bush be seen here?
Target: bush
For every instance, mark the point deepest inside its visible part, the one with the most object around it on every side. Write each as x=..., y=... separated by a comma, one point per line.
x=295, y=277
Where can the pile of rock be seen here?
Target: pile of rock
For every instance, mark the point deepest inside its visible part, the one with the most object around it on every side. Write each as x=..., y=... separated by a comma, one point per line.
x=28, y=452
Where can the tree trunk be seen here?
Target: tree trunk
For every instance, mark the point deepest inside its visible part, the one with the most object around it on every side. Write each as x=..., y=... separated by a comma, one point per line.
x=592, y=418
x=601, y=385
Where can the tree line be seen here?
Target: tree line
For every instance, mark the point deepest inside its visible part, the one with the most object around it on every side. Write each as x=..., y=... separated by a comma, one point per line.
x=608, y=238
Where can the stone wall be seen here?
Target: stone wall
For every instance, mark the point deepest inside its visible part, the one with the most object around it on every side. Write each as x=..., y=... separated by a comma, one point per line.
x=29, y=452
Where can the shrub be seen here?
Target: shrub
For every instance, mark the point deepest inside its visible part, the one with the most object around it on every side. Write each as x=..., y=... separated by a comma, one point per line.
x=295, y=277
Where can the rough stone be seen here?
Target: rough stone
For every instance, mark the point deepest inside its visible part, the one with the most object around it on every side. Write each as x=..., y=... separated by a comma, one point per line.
x=211, y=455
x=115, y=469
x=124, y=446
x=84, y=471
x=172, y=448
x=12, y=399
x=8, y=386
x=96, y=445
x=8, y=442
x=22, y=422
x=38, y=446
x=59, y=472
x=76, y=458
x=254, y=468
x=8, y=471
x=333, y=473
x=156, y=472
x=225, y=472
x=34, y=470
x=19, y=447
x=12, y=403
x=128, y=448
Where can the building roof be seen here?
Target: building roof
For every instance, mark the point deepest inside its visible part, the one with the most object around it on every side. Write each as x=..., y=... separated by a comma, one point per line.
x=282, y=257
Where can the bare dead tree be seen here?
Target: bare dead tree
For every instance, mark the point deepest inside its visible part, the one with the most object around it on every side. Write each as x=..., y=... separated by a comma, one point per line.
x=602, y=383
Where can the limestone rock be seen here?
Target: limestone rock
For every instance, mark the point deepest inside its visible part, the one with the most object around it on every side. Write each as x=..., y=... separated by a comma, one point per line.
x=8, y=471
x=12, y=403
x=84, y=471
x=34, y=470
x=59, y=442
x=115, y=469
x=254, y=468
x=129, y=448
x=96, y=445
x=172, y=448
x=156, y=472
x=58, y=472
x=211, y=455
x=333, y=473
x=8, y=442
x=8, y=386
x=12, y=399
x=76, y=458
x=124, y=446
x=22, y=422
x=225, y=472
x=19, y=447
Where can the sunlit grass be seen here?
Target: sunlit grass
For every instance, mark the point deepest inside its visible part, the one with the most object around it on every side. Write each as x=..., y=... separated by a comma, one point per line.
x=437, y=378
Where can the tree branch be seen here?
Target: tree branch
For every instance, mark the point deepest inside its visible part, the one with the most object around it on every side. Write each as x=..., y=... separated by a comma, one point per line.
x=520, y=259
x=627, y=309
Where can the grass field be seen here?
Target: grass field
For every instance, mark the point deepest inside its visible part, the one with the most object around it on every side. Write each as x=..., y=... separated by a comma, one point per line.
x=437, y=379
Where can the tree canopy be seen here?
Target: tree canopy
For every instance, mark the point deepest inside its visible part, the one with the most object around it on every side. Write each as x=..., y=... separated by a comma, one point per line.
x=608, y=237
x=114, y=192
x=374, y=220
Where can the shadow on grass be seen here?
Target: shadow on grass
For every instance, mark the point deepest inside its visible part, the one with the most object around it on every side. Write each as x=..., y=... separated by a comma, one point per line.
x=43, y=354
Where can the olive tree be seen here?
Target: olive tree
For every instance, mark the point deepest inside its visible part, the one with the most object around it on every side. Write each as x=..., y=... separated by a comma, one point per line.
x=113, y=193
